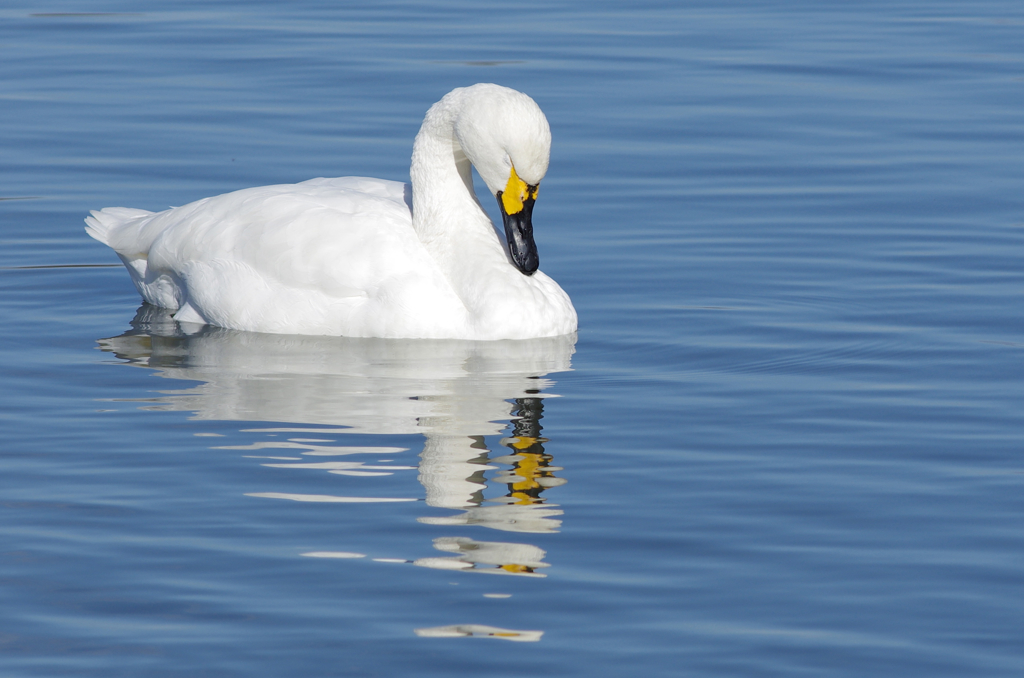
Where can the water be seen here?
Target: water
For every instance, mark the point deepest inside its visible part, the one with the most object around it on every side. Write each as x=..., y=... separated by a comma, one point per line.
x=786, y=442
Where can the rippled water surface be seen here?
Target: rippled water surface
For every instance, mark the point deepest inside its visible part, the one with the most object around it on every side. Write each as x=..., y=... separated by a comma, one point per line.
x=788, y=439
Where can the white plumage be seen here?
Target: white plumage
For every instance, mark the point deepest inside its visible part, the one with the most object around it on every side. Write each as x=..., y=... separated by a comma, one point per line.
x=366, y=257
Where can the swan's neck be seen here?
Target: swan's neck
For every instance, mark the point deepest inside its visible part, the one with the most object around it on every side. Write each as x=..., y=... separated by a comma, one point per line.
x=446, y=214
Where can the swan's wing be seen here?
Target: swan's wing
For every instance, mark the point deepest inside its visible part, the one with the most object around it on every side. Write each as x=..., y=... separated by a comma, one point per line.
x=339, y=235
x=301, y=257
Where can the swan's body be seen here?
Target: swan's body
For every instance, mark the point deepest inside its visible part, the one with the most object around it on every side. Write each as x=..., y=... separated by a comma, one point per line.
x=360, y=257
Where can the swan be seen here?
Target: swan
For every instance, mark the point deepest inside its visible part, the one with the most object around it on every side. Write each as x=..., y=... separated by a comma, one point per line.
x=364, y=257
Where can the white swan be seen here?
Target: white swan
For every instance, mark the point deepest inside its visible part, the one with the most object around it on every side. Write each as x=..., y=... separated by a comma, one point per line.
x=349, y=257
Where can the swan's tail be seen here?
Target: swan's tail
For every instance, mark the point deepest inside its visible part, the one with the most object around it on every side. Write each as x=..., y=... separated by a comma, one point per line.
x=103, y=222
x=113, y=226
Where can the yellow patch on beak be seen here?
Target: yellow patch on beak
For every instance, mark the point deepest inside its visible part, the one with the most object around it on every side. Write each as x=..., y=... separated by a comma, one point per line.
x=516, y=193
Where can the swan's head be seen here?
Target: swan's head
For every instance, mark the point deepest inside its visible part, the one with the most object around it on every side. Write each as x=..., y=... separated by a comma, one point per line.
x=506, y=136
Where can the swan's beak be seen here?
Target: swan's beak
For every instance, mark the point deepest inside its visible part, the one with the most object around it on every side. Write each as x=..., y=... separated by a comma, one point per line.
x=516, y=204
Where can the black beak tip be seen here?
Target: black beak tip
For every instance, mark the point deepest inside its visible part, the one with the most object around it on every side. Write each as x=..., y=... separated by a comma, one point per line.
x=529, y=264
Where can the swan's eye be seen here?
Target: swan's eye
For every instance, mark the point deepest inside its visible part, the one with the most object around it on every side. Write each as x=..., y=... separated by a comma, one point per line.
x=516, y=193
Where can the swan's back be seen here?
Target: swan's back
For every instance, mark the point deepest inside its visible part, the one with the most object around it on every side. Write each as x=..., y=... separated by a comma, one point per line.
x=318, y=257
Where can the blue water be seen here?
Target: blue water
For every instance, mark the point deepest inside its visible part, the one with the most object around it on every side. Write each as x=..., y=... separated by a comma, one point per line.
x=788, y=438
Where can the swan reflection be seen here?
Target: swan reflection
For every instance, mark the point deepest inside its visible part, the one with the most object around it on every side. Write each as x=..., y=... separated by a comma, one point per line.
x=480, y=631
x=486, y=557
x=454, y=393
